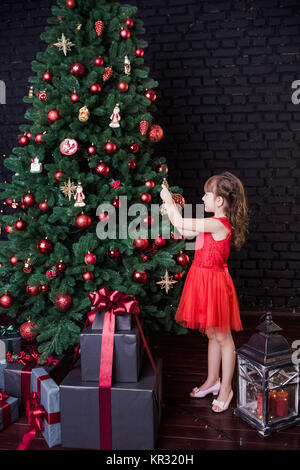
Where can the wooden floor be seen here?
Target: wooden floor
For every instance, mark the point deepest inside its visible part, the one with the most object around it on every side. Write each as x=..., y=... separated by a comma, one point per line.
x=187, y=423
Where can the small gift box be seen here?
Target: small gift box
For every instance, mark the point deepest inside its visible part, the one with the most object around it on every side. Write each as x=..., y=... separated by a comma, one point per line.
x=48, y=398
x=127, y=355
x=9, y=410
x=3, y=365
x=10, y=341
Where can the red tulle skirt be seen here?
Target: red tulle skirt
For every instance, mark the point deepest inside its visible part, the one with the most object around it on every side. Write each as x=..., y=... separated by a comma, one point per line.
x=208, y=300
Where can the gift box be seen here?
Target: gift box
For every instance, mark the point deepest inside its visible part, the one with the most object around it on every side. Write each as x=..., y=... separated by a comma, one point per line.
x=135, y=411
x=127, y=355
x=9, y=411
x=2, y=367
x=49, y=399
x=10, y=343
x=124, y=322
x=17, y=376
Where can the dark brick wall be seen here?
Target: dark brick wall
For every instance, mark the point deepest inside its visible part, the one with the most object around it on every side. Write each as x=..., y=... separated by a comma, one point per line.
x=225, y=70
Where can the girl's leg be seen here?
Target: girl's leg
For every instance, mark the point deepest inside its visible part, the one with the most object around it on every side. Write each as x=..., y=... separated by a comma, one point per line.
x=227, y=347
x=214, y=360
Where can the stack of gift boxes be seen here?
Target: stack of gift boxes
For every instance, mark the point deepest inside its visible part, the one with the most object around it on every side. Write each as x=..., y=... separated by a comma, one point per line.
x=67, y=400
x=135, y=396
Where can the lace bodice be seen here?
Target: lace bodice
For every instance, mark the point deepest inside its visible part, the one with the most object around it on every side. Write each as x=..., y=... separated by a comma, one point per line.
x=209, y=251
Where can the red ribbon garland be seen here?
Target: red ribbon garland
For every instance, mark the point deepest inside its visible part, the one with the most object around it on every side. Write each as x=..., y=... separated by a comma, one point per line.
x=114, y=303
x=36, y=414
x=5, y=407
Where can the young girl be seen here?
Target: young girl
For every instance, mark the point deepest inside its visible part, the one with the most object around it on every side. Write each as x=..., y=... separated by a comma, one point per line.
x=209, y=301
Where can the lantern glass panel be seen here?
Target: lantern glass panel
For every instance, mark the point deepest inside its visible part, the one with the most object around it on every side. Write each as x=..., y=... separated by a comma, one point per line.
x=250, y=388
x=283, y=392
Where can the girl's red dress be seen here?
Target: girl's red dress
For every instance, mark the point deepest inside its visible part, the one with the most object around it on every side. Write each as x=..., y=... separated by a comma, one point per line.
x=209, y=298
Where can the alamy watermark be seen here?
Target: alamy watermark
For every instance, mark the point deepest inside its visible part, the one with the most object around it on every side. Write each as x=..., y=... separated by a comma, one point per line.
x=134, y=221
x=296, y=93
x=2, y=92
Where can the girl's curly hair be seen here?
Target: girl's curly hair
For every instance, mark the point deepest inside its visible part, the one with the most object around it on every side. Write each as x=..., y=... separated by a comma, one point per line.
x=236, y=209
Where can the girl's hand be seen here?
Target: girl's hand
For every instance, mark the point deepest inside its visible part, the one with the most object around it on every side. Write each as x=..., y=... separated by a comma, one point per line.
x=166, y=195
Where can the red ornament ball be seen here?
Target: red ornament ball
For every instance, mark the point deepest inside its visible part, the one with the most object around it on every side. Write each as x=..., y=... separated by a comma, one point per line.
x=88, y=276
x=44, y=288
x=27, y=331
x=38, y=138
x=61, y=266
x=150, y=95
x=103, y=216
x=160, y=241
x=132, y=165
x=139, y=52
x=8, y=229
x=20, y=225
x=177, y=276
x=141, y=243
x=110, y=147
x=182, y=259
x=123, y=87
x=63, y=302
x=146, y=198
x=59, y=175
x=7, y=300
x=77, y=69
x=125, y=33
x=134, y=148
x=139, y=277
x=53, y=115
x=13, y=260
x=23, y=140
x=44, y=246
x=144, y=257
x=74, y=97
x=70, y=4
x=113, y=253
x=28, y=200
x=33, y=290
x=83, y=221
x=98, y=61
x=92, y=150
x=162, y=168
x=129, y=22
x=150, y=184
x=43, y=205
x=116, y=203
x=102, y=169
x=90, y=258
x=155, y=134
x=95, y=88
x=47, y=77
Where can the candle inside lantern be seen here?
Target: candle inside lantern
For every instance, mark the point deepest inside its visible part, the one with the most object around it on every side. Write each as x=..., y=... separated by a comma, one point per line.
x=272, y=403
x=259, y=406
x=282, y=403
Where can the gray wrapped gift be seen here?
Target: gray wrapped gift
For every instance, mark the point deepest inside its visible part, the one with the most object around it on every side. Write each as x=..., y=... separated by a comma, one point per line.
x=13, y=412
x=49, y=399
x=10, y=343
x=2, y=367
x=127, y=358
x=123, y=322
x=136, y=411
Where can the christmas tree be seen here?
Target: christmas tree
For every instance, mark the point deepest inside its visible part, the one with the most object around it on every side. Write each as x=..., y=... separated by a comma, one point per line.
x=90, y=142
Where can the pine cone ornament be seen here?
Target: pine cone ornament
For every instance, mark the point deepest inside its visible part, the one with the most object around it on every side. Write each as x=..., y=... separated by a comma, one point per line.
x=107, y=74
x=99, y=26
x=144, y=126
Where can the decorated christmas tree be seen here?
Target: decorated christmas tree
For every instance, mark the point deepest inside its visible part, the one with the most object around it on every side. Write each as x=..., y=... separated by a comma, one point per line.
x=91, y=142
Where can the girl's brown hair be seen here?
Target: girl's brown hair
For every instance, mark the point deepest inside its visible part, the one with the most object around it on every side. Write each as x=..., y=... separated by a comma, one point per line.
x=236, y=209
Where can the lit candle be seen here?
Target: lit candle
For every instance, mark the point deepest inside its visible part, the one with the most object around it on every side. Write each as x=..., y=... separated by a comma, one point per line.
x=282, y=404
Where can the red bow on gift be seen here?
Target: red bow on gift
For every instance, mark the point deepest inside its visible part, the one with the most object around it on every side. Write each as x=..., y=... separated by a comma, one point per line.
x=112, y=301
x=3, y=396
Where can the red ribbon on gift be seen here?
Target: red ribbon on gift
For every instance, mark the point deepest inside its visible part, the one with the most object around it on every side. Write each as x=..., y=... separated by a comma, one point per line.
x=36, y=414
x=114, y=303
x=5, y=407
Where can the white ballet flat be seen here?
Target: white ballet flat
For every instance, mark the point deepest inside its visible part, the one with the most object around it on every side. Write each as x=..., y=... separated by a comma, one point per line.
x=202, y=393
x=221, y=404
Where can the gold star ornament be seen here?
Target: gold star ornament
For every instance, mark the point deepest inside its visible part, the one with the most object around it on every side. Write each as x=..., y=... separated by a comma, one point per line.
x=64, y=44
x=167, y=282
x=68, y=189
